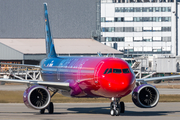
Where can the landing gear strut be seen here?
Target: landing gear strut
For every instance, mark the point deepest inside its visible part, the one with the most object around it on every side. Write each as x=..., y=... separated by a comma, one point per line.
x=50, y=107
x=116, y=107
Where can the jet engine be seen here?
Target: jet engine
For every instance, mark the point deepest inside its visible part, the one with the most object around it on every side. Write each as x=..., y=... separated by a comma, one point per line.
x=145, y=96
x=36, y=97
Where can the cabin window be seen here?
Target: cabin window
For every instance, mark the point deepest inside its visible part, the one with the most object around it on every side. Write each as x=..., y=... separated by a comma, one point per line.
x=110, y=71
x=116, y=70
x=125, y=70
x=106, y=70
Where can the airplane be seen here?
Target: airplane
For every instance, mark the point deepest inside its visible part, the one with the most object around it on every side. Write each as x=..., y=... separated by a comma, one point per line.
x=86, y=77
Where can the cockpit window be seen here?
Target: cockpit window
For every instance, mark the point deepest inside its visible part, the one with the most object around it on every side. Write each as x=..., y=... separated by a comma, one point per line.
x=125, y=70
x=106, y=70
x=116, y=70
x=110, y=71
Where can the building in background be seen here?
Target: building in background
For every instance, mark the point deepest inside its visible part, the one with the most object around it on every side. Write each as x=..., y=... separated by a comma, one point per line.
x=32, y=51
x=139, y=27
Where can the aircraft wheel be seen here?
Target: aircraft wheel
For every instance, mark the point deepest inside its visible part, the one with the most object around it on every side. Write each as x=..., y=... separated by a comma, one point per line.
x=112, y=112
x=42, y=111
x=122, y=107
x=117, y=112
x=51, y=108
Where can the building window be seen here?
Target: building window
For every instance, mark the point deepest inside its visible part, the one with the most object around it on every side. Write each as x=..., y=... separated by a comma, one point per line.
x=147, y=19
x=166, y=19
x=111, y=29
x=138, y=9
x=166, y=39
x=128, y=29
x=128, y=19
x=148, y=49
x=150, y=9
x=112, y=39
x=142, y=9
x=103, y=29
x=103, y=39
x=131, y=9
x=169, y=9
x=107, y=29
x=147, y=39
x=137, y=29
x=129, y=49
x=117, y=9
x=166, y=29
x=103, y=19
x=157, y=49
x=138, y=49
x=157, y=39
x=163, y=9
x=156, y=29
x=136, y=19
x=166, y=48
x=147, y=29
x=120, y=39
x=128, y=39
x=109, y=19
x=137, y=39
x=108, y=39
x=119, y=29
x=118, y=19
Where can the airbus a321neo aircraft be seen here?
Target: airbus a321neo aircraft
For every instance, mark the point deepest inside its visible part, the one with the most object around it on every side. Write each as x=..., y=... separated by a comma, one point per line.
x=84, y=77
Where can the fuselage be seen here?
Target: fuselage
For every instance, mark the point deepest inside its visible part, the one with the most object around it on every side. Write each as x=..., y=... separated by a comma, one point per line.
x=90, y=76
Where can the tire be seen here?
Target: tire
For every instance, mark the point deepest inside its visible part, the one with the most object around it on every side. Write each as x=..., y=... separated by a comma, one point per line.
x=42, y=111
x=117, y=112
x=122, y=107
x=112, y=112
x=51, y=108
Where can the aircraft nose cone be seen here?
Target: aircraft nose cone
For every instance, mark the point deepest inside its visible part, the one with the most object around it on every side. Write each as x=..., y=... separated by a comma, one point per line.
x=119, y=84
x=118, y=87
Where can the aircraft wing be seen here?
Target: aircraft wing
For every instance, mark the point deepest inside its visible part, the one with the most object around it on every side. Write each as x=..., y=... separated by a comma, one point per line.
x=21, y=65
x=158, y=78
x=58, y=85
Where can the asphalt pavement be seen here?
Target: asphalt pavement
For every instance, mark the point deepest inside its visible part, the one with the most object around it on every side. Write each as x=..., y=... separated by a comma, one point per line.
x=90, y=111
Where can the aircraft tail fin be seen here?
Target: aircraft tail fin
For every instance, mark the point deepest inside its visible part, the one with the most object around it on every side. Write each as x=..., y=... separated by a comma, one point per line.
x=50, y=50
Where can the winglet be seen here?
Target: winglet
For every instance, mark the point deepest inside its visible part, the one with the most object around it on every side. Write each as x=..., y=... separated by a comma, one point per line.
x=50, y=50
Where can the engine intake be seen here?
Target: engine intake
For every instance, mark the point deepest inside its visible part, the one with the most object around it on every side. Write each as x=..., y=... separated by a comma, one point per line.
x=145, y=96
x=36, y=97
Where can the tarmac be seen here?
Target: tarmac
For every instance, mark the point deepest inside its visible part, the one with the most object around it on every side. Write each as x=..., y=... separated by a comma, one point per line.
x=90, y=111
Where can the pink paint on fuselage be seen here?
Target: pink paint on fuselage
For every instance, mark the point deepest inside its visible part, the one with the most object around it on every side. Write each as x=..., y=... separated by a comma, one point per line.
x=87, y=79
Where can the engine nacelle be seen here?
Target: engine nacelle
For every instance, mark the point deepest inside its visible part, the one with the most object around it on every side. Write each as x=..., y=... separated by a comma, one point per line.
x=36, y=97
x=145, y=96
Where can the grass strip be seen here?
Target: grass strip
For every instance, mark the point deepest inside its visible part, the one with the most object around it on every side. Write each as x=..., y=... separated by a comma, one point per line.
x=17, y=97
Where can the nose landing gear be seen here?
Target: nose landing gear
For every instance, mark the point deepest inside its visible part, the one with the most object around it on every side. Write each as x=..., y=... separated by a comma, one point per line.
x=116, y=107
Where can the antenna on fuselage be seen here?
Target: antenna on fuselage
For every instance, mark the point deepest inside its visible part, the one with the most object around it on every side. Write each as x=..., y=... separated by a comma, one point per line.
x=50, y=50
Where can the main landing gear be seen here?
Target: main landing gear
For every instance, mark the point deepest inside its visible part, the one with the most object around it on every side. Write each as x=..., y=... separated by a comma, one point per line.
x=50, y=107
x=116, y=107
